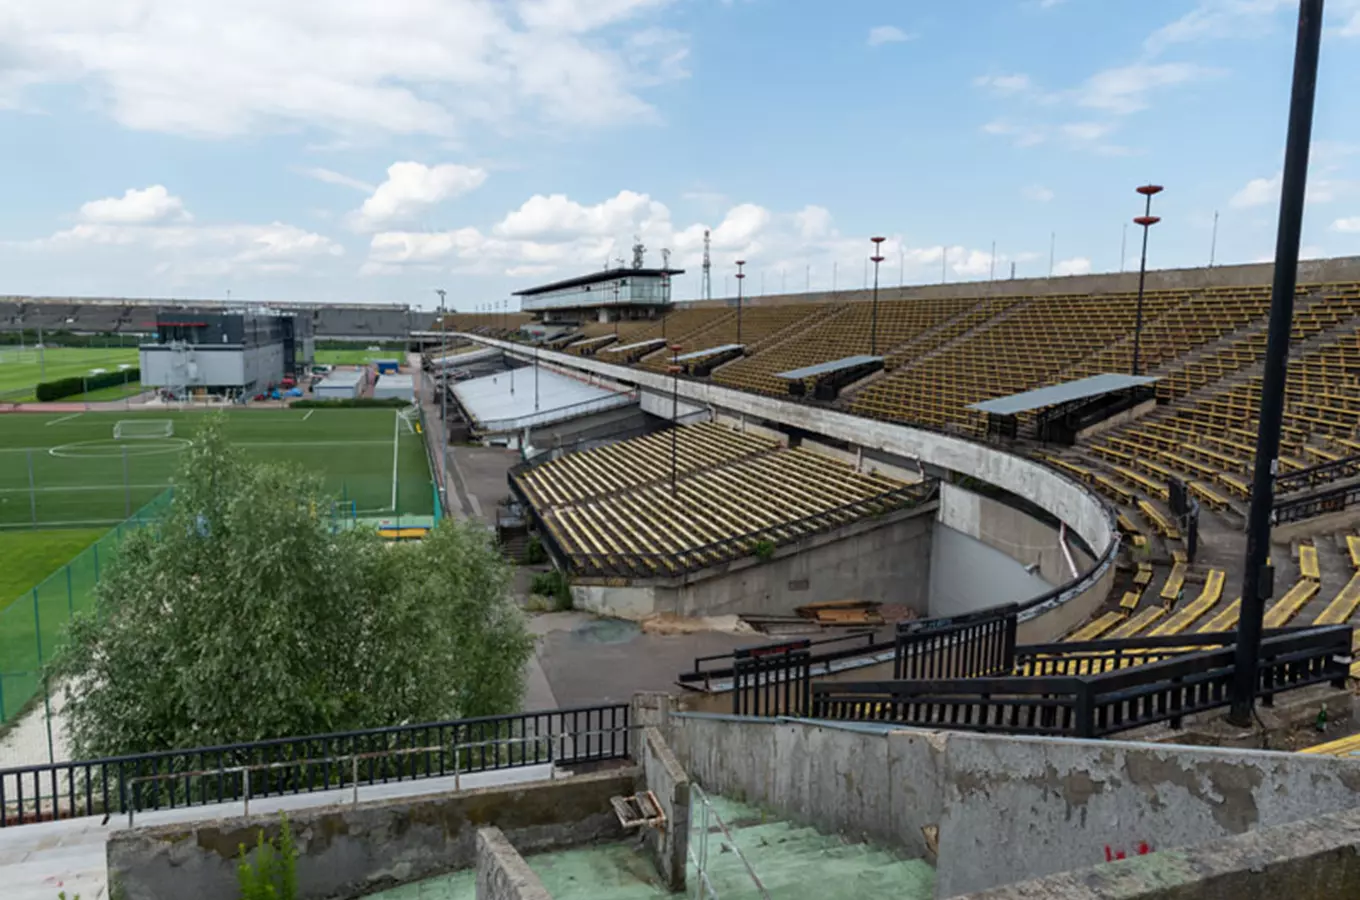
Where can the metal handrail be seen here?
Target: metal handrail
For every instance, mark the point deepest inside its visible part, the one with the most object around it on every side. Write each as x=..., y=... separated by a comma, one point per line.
x=700, y=859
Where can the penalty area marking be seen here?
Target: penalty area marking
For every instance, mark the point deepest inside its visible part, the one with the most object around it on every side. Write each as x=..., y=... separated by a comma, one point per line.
x=107, y=448
x=309, y=415
x=64, y=419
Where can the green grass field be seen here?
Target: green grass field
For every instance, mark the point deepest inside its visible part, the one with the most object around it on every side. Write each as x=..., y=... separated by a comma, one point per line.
x=83, y=476
x=357, y=357
x=31, y=556
x=20, y=370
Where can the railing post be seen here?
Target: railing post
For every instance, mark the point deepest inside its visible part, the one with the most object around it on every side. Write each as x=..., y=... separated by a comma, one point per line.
x=1086, y=710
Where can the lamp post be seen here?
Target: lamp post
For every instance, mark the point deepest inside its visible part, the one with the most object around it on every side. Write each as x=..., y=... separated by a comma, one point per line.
x=873, y=329
x=536, y=345
x=1147, y=220
x=674, y=370
x=1257, y=574
x=741, y=276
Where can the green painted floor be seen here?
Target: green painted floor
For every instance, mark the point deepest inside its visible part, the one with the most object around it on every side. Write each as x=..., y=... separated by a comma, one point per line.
x=793, y=863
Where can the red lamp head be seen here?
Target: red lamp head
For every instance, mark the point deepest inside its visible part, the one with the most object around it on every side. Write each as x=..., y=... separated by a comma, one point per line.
x=1148, y=190
x=875, y=259
x=877, y=240
x=676, y=348
x=1146, y=221
x=673, y=370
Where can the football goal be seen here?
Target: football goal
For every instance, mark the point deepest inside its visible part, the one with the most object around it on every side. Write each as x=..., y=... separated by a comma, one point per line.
x=133, y=429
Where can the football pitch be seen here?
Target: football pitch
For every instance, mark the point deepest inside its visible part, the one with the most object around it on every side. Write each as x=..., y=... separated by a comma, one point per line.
x=21, y=370
x=70, y=470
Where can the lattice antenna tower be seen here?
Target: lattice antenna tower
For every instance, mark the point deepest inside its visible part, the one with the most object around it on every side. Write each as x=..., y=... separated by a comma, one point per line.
x=706, y=288
x=638, y=252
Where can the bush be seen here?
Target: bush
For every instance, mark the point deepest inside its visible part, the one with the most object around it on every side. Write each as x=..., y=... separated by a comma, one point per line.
x=535, y=553
x=553, y=584
x=355, y=403
x=273, y=874
x=764, y=550
x=47, y=391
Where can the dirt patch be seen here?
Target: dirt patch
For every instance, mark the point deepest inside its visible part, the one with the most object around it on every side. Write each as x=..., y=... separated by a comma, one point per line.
x=669, y=624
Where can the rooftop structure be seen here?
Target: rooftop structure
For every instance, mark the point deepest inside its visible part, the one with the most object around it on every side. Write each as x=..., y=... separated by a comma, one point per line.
x=522, y=398
x=609, y=288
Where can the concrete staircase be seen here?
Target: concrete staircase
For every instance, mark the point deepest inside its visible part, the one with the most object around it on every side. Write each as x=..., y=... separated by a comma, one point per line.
x=792, y=862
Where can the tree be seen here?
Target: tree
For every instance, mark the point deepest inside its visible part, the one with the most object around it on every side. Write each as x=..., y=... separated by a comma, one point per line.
x=244, y=614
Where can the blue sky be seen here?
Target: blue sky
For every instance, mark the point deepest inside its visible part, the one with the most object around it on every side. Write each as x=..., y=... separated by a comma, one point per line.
x=374, y=150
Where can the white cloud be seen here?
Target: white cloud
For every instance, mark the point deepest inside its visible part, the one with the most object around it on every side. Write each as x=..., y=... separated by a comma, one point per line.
x=410, y=189
x=1124, y=89
x=1024, y=135
x=813, y=222
x=1037, y=192
x=1349, y=225
x=205, y=68
x=1218, y=20
x=330, y=177
x=1078, y=265
x=136, y=207
x=1004, y=84
x=1352, y=27
x=1266, y=191
x=887, y=34
x=557, y=216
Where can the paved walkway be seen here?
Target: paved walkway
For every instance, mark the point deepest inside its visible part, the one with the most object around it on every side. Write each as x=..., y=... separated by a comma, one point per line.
x=38, y=861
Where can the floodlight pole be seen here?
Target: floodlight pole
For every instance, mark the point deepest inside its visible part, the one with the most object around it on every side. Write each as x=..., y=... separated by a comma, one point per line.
x=873, y=329
x=741, y=276
x=1147, y=220
x=536, y=344
x=1257, y=574
x=674, y=369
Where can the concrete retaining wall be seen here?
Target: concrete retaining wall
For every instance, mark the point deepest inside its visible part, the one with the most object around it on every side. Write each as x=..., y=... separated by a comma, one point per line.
x=885, y=559
x=502, y=874
x=1007, y=809
x=353, y=850
x=666, y=779
x=966, y=575
x=1314, y=860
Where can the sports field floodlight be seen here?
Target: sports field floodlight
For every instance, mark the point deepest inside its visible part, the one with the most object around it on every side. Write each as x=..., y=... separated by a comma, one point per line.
x=674, y=371
x=1147, y=220
x=873, y=328
x=741, y=276
x=1257, y=574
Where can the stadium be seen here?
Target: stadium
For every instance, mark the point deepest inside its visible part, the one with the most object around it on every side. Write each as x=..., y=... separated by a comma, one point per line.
x=998, y=589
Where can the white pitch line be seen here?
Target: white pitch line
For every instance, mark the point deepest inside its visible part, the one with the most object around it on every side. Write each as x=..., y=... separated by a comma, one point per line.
x=309, y=415
x=396, y=434
x=64, y=419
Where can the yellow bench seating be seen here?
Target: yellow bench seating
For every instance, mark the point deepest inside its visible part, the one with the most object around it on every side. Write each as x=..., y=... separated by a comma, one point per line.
x=1308, y=562
x=1288, y=606
x=1343, y=604
x=1195, y=609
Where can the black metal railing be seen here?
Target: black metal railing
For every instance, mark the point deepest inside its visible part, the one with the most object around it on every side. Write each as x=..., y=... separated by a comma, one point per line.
x=1296, y=509
x=721, y=667
x=773, y=681
x=694, y=559
x=300, y=765
x=964, y=646
x=1312, y=476
x=1094, y=704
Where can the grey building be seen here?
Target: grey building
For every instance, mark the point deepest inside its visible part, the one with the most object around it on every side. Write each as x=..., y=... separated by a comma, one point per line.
x=226, y=353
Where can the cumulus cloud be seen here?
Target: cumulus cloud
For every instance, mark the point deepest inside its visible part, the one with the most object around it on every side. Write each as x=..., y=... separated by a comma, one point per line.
x=1077, y=265
x=206, y=68
x=1004, y=84
x=558, y=216
x=410, y=189
x=136, y=207
x=1349, y=225
x=887, y=34
x=151, y=227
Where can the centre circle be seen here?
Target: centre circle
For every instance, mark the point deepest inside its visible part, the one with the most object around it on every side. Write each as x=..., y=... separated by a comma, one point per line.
x=110, y=448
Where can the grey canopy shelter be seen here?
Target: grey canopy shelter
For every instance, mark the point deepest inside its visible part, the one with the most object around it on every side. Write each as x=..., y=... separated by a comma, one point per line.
x=1065, y=409
x=829, y=377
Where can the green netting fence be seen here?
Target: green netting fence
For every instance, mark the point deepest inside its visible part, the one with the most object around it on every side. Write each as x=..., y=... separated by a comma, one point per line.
x=33, y=627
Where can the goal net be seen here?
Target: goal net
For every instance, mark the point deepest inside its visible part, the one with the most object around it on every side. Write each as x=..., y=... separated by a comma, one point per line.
x=132, y=429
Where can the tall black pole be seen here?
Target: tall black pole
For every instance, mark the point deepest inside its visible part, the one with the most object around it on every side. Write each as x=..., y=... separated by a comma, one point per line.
x=741, y=276
x=1257, y=574
x=1147, y=220
x=675, y=410
x=873, y=327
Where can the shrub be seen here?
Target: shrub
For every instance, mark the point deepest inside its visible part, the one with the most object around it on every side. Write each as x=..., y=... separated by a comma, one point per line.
x=47, y=391
x=764, y=550
x=553, y=584
x=353, y=403
x=535, y=553
x=273, y=873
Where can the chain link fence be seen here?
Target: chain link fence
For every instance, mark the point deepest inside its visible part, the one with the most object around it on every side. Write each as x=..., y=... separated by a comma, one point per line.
x=33, y=627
